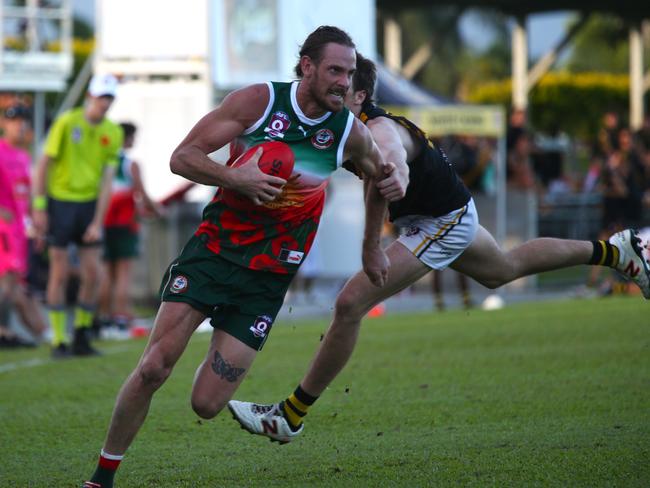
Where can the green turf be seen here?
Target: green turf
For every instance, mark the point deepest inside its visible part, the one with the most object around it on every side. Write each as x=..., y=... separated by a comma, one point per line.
x=548, y=394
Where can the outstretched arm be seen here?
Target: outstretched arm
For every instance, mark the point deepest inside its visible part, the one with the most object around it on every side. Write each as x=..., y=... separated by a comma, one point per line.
x=392, y=146
x=239, y=110
x=363, y=152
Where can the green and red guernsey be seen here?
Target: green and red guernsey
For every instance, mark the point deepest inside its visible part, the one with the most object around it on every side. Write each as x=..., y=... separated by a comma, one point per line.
x=277, y=236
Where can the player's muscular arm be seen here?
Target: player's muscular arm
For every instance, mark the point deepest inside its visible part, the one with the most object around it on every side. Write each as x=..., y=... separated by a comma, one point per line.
x=393, y=148
x=239, y=110
x=363, y=152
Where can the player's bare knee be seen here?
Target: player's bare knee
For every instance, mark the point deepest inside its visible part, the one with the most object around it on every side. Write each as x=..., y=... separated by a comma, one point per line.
x=205, y=408
x=347, y=306
x=152, y=372
x=492, y=283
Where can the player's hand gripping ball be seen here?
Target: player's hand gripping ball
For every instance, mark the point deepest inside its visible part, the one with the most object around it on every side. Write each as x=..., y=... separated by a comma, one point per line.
x=277, y=159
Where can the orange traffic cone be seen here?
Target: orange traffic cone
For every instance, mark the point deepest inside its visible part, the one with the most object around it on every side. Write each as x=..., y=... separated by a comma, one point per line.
x=377, y=311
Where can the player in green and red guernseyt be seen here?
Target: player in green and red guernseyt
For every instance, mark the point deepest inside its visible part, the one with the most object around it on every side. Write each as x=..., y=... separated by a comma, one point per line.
x=237, y=267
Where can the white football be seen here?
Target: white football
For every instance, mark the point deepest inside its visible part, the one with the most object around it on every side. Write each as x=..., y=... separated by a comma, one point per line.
x=492, y=302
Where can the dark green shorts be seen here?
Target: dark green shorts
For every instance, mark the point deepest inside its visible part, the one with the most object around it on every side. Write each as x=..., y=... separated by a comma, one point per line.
x=120, y=243
x=240, y=301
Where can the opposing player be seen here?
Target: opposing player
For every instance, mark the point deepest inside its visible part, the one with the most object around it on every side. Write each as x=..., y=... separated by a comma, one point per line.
x=237, y=266
x=443, y=230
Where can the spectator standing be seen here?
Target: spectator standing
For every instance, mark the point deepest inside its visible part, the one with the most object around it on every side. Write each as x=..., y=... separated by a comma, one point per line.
x=621, y=185
x=14, y=221
x=608, y=133
x=72, y=184
x=121, y=230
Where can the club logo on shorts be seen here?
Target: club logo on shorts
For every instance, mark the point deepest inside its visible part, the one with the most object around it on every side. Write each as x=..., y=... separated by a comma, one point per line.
x=322, y=139
x=278, y=125
x=412, y=231
x=262, y=326
x=179, y=285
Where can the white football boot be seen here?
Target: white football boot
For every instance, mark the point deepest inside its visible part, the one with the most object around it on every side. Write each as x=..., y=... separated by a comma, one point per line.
x=631, y=263
x=266, y=420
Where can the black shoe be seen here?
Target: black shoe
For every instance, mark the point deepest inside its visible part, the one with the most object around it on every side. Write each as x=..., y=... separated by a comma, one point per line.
x=14, y=341
x=61, y=351
x=81, y=345
x=20, y=342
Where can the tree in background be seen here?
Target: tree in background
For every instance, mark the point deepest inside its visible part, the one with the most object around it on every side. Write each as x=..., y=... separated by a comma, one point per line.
x=601, y=46
x=454, y=64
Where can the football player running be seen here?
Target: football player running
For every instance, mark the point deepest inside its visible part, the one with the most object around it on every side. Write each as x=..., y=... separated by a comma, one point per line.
x=442, y=230
x=238, y=265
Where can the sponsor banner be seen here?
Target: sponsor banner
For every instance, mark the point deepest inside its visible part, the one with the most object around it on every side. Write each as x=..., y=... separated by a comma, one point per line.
x=479, y=120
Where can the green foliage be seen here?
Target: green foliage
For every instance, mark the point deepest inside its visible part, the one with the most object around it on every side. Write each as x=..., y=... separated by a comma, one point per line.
x=439, y=26
x=601, y=46
x=453, y=65
x=573, y=102
x=547, y=394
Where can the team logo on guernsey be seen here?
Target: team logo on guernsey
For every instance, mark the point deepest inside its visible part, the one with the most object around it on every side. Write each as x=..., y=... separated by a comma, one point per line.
x=278, y=125
x=322, y=139
x=76, y=134
x=262, y=326
x=179, y=285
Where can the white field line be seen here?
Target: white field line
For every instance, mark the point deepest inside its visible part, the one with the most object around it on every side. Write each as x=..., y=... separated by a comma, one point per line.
x=31, y=363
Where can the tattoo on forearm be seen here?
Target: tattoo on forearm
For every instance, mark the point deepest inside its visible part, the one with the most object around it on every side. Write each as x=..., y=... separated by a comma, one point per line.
x=224, y=369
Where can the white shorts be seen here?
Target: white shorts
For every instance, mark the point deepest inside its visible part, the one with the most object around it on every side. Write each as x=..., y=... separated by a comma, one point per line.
x=438, y=241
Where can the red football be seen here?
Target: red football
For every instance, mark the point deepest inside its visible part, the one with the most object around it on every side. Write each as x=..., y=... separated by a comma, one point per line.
x=277, y=159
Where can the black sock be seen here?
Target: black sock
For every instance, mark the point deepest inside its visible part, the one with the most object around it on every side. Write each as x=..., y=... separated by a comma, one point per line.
x=103, y=476
x=604, y=254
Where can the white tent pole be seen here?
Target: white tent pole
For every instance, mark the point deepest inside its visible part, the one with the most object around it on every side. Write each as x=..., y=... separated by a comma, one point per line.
x=636, y=77
x=393, y=44
x=519, y=64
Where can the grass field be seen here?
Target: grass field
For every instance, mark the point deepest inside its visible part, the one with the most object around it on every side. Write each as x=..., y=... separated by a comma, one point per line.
x=546, y=394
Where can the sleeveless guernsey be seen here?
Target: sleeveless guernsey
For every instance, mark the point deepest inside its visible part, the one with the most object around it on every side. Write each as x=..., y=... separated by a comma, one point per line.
x=277, y=236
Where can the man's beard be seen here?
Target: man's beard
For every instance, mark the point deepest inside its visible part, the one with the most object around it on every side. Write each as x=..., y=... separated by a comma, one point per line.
x=321, y=100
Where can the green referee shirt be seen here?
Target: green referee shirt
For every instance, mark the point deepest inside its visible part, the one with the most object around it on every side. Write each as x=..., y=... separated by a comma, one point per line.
x=80, y=151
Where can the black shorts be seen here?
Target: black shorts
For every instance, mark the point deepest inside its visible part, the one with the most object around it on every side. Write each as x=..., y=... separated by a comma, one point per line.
x=68, y=222
x=120, y=243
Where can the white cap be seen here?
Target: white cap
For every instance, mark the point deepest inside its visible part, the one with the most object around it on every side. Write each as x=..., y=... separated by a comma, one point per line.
x=101, y=85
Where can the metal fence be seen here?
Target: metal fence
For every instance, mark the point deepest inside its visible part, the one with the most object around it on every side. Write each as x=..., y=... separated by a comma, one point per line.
x=571, y=216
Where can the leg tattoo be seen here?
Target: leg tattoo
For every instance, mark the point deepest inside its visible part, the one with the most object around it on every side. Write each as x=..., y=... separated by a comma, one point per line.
x=224, y=369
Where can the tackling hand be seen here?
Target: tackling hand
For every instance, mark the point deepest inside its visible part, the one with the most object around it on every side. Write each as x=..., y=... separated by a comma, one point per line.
x=393, y=186
x=375, y=265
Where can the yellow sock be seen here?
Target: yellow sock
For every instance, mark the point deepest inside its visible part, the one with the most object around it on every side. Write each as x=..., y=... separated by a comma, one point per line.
x=296, y=406
x=83, y=316
x=58, y=323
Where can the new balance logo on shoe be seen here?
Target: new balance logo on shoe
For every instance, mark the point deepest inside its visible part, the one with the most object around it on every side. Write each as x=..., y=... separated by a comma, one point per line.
x=632, y=270
x=270, y=428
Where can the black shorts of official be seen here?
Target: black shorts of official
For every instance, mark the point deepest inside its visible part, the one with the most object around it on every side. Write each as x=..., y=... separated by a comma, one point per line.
x=68, y=222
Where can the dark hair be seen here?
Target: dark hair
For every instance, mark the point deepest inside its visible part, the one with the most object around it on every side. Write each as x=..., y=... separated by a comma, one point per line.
x=316, y=41
x=365, y=77
x=128, y=129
